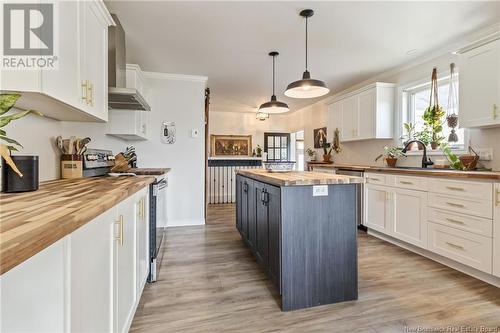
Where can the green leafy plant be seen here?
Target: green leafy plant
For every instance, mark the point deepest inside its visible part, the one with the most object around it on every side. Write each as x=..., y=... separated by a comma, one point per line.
x=327, y=148
x=410, y=132
x=310, y=152
x=7, y=102
x=337, y=148
x=425, y=136
x=455, y=162
x=259, y=150
x=434, y=117
x=391, y=152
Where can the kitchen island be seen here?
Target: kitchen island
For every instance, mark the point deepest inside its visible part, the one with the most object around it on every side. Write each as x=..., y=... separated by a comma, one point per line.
x=301, y=227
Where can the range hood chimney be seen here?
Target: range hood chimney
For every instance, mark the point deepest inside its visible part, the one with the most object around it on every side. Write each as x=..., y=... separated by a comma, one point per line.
x=119, y=96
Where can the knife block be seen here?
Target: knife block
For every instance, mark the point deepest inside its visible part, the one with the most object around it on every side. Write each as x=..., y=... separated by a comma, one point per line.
x=71, y=166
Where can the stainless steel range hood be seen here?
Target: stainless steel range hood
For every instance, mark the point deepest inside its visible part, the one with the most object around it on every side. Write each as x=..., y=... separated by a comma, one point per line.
x=119, y=96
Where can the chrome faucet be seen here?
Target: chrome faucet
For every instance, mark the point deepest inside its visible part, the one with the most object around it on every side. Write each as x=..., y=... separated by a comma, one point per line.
x=425, y=161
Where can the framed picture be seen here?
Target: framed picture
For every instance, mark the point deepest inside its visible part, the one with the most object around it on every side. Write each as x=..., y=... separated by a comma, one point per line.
x=319, y=137
x=231, y=145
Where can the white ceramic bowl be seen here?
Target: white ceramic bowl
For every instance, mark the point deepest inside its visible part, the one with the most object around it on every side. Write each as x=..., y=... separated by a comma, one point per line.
x=278, y=166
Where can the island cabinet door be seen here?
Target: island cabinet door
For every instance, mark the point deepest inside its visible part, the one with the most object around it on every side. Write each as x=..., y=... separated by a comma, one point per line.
x=261, y=214
x=273, y=202
x=239, y=189
x=244, y=208
x=251, y=216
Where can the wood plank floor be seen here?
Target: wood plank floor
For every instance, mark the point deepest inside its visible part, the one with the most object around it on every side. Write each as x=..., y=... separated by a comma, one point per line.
x=209, y=282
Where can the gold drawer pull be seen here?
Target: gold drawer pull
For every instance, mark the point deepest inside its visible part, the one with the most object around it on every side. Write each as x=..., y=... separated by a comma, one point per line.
x=497, y=194
x=119, y=238
x=455, y=205
x=405, y=182
x=494, y=111
x=455, y=246
x=374, y=179
x=453, y=188
x=454, y=221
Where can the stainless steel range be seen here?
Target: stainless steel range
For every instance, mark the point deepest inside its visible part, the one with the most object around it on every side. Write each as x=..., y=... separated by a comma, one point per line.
x=97, y=162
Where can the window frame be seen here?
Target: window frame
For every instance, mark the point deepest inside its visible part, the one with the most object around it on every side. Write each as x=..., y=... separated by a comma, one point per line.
x=276, y=134
x=405, y=111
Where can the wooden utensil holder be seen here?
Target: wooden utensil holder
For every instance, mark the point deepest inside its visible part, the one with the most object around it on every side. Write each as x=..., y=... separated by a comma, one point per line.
x=71, y=166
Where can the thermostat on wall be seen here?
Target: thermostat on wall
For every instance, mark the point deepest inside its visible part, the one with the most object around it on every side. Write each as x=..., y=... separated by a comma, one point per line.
x=168, y=132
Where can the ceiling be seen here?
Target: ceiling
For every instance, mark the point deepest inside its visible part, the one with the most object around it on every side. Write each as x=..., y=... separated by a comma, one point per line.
x=229, y=41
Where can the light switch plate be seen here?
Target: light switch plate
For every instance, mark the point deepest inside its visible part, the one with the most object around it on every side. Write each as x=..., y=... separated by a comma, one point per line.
x=485, y=154
x=320, y=190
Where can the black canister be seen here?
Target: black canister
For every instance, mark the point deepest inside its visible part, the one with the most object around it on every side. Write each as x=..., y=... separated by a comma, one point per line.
x=11, y=182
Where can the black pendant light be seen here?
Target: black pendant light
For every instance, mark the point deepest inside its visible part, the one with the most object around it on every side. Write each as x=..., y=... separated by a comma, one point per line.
x=307, y=87
x=273, y=106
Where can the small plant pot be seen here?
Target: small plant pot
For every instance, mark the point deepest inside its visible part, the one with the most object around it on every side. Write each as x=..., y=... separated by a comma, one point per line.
x=434, y=145
x=391, y=162
x=327, y=158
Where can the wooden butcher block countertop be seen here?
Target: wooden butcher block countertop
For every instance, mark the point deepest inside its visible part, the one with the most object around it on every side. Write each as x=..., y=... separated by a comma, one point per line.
x=31, y=221
x=298, y=178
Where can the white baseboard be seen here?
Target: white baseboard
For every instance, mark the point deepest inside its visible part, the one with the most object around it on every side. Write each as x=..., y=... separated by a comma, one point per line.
x=184, y=223
x=488, y=278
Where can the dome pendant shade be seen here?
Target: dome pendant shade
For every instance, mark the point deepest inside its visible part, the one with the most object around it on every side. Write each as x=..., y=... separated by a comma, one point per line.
x=307, y=87
x=273, y=106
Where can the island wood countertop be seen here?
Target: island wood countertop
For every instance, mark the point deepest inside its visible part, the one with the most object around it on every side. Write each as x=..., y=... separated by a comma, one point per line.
x=32, y=221
x=298, y=178
x=431, y=172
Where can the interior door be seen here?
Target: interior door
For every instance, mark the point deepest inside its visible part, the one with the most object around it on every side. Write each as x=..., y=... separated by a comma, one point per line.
x=376, y=214
x=409, y=211
x=124, y=265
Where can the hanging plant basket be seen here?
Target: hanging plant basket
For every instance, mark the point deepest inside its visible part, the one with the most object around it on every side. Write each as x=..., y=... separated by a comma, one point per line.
x=452, y=120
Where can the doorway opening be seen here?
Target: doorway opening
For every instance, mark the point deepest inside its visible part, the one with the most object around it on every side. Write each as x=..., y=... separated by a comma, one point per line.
x=297, y=151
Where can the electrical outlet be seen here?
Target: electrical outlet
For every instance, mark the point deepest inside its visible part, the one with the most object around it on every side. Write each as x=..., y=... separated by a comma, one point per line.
x=320, y=191
x=485, y=154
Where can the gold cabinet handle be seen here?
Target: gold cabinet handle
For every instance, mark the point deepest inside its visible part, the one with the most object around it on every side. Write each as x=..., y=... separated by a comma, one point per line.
x=453, y=188
x=454, y=221
x=405, y=182
x=494, y=111
x=455, y=204
x=119, y=222
x=85, y=91
x=90, y=88
x=455, y=246
x=143, y=208
x=497, y=194
x=374, y=179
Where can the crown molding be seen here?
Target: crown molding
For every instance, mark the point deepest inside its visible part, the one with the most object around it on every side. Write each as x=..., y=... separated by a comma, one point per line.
x=178, y=77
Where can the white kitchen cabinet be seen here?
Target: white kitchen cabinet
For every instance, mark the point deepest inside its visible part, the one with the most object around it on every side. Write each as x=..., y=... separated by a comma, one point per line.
x=496, y=232
x=376, y=212
x=480, y=86
x=132, y=125
x=409, y=216
x=124, y=286
x=77, y=89
x=91, y=260
x=34, y=293
x=364, y=114
x=94, y=58
x=142, y=226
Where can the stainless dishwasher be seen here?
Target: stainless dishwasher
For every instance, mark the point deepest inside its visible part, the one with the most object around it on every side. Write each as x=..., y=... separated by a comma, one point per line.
x=359, y=194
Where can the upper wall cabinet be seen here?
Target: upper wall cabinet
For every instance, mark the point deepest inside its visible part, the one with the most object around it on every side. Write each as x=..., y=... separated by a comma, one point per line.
x=363, y=114
x=131, y=125
x=76, y=89
x=480, y=86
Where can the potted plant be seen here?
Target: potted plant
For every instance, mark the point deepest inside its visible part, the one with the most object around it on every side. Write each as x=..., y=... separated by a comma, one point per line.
x=8, y=145
x=409, y=135
x=391, y=155
x=259, y=151
x=311, y=153
x=327, y=152
x=423, y=136
x=434, y=114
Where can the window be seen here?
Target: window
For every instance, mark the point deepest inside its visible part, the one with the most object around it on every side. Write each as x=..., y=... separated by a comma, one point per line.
x=415, y=100
x=277, y=146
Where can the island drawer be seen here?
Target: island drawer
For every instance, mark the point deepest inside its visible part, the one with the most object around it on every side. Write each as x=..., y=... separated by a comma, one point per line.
x=464, y=247
x=476, y=225
x=464, y=189
x=468, y=206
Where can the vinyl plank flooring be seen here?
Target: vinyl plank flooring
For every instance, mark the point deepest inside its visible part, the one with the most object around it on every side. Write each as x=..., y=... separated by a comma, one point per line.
x=209, y=282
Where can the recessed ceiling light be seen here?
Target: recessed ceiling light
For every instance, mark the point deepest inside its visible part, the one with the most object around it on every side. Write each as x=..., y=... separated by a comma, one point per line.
x=412, y=51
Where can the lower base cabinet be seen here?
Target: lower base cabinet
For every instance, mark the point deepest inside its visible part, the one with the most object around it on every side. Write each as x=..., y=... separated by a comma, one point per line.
x=496, y=231
x=89, y=281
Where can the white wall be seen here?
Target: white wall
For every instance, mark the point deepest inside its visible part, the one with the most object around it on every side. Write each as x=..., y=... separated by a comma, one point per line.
x=244, y=123
x=172, y=98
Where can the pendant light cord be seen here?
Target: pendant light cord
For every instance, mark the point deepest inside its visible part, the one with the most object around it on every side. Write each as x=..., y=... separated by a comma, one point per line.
x=273, y=73
x=306, y=43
